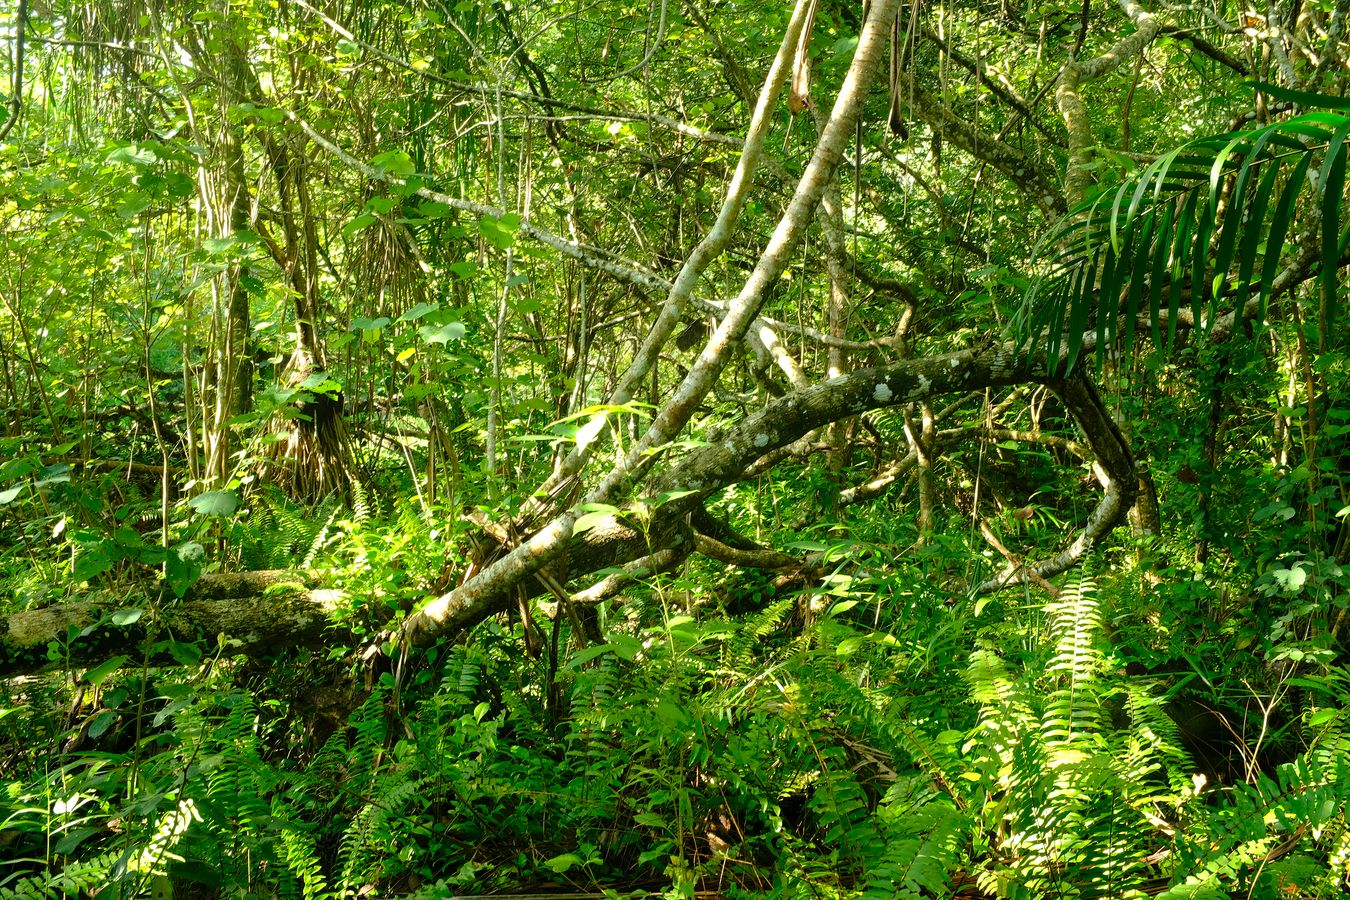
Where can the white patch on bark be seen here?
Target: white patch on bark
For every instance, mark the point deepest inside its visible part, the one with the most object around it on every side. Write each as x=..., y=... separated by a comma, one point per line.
x=761, y=440
x=882, y=392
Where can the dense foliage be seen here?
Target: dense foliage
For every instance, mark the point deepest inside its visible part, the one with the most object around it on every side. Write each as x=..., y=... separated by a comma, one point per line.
x=701, y=448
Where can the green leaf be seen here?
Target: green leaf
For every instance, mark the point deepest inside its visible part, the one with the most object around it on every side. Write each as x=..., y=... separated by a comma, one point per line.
x=1081, y=304
x=499, y=232
x=1333, y=188
x=100, y=673
x=183, y=566
x=1279, y=229
x=77, y=836
x=370, y=327
x=595, y=514
x=1251, y=239
x=1302, y=98
x=184, y=653
x=133, y=205
x=1181, y=249
x=1204, y=228
x=133, y=155
x=216, y=246
x=1323, y=716
x=442, y=334
x=1236, y=210
x=563, y=862
x=1158, y=248
x=124, y=617
x=418, y=311
x=1139, y=264
x=393, y=162
x=215, y=503
x=365, y=220
x=90, y=560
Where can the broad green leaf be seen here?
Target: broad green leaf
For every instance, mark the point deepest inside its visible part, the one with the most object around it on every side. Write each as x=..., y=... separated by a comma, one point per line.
x=365, y=220
x=98, y=725
x=90, y=559
x=393, y=162
x=215, y=503
x=442, y=334
x=183, y=566
x=564, y=862
x=77, y=836
x=418, y=310
x=499, y=232
x=596, y=514
x=124, y=617
x=133, y=155
x=216, y=246
x=100, y=673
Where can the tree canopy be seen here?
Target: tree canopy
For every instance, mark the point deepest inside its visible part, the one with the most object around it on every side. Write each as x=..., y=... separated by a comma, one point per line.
x=893, y=449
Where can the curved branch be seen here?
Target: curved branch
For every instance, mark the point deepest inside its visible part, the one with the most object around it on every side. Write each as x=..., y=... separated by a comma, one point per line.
x=1073, y=109
x=708, y=249
x=642, y=567
x=762, y=558
x=1114, y=468
x=480, y=595
x=1015, y=166
x=16, y=101
x=976, y=68
x=550, y=102
x=1205, y=47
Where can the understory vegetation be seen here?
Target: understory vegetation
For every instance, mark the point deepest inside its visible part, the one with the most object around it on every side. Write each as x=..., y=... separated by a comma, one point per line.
x=682, y=449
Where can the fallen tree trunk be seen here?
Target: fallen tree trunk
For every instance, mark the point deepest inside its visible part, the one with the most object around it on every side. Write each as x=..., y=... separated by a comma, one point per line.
x=258, y=620
x=693, y=478
x=257, y=614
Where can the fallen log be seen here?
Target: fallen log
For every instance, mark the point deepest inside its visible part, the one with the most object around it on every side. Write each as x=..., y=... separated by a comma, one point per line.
x=258, y=614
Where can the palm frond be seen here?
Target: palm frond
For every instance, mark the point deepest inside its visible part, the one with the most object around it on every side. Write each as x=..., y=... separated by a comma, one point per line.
x=1190, y=228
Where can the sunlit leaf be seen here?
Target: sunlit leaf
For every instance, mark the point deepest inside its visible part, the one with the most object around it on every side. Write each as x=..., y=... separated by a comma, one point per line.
x=215, y=503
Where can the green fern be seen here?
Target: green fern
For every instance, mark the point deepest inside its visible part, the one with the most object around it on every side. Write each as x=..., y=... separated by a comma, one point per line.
x=78, y=877
x=282, y=534
x=1069, y=802
x=377, y=827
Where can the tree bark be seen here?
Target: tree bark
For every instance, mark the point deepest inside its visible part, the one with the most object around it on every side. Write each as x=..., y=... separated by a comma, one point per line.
x=726, y=460
x=251, y=611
